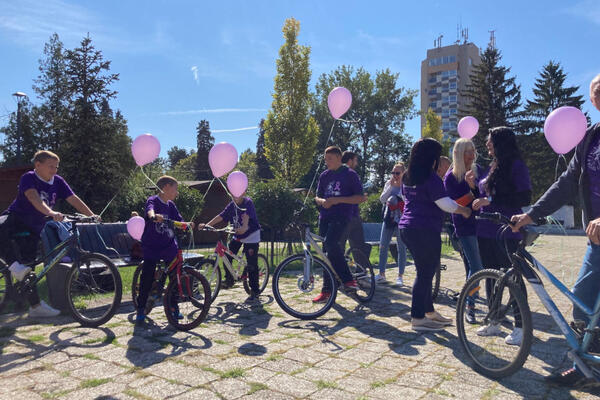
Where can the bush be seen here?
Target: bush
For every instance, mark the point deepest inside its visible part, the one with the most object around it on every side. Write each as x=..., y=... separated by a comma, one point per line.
x=370, y=210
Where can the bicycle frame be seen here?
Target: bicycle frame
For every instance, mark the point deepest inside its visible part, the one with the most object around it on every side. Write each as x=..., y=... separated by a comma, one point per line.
x=310, y=241
x=221, y=250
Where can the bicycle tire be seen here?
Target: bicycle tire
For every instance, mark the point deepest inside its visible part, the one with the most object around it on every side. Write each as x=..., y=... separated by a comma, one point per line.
x=93, y=281
x=478, y=349
x=212, y=272
x=365, y=279
x=197, y=300
x=290, y=273
x=263, y=275
x=5, y=284
x=151, y=301
x=135, y=285
x=435, y=284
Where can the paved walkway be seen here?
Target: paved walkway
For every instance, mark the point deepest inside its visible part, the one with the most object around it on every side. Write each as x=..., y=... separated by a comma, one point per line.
x=242, y=352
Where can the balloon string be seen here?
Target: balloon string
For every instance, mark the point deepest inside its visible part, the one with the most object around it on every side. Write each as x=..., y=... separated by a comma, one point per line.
x=118, y=191
x=147, y=177
x=560, y=156
x=230, y=196
x=319, y=166
x=348, y=121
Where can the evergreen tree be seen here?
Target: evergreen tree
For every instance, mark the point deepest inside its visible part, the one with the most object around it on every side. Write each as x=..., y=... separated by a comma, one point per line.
x=549, y=93
x=29, y=139
x=205, y=142
x=492, y=97
x=175, y=154
x=290, y=131
x=263, y=170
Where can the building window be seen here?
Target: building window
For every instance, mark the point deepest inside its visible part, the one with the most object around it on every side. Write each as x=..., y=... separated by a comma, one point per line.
x=432, y=104
x=452, y=98
x=432, y=92
x=453, y=111
x=452, y=85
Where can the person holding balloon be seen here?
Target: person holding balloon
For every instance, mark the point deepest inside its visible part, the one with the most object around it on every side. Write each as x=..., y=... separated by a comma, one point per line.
x=505, y=189
x=565, y=127
x=241, y=214
x=158, y=239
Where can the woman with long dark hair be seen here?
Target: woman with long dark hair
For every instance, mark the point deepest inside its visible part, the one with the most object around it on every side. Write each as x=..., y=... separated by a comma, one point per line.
x=506, y=189
x=421, y=225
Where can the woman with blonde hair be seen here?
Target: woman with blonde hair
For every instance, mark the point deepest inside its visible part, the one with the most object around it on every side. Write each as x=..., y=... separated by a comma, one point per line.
x=461, y=186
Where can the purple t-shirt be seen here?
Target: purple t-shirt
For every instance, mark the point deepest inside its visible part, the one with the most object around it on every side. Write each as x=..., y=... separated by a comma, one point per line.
x=462, y=226
x=592, y=164
x=420, y=210
x=158, y=235
x=49, y=192
x=342, y=182
x=521, y=182
x=233, y=214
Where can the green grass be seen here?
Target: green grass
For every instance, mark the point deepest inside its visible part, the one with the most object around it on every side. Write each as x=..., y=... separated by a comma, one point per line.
x=326, y=384
x=255, y=387
x=233, y=373
x=36, y=338
x=88, y=383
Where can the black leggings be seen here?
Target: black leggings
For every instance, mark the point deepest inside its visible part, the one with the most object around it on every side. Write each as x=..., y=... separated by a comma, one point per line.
x=493, y=256
x=251, y=252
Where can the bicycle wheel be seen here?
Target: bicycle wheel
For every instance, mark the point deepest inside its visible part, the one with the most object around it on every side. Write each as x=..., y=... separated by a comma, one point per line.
x=363, y=274
x=186, y=310
x=212, y=272
x=154, y=297
x=263, y=275
x=435, y=284
x=93, y=289
x=501, y=307
x=135, y=285
x=5, y=284
x=295, y=295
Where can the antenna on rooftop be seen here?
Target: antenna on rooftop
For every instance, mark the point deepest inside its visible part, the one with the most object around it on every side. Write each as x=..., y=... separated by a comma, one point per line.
x=465, y=35
x=438, y=42
x=492, y=38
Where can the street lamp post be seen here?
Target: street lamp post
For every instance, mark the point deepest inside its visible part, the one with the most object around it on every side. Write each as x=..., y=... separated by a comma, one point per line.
x=20, y=98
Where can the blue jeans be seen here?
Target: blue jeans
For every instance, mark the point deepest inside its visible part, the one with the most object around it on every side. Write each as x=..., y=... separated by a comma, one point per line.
x=384, y=245
x=587, y=283
x=470, y=249
x=332, y=230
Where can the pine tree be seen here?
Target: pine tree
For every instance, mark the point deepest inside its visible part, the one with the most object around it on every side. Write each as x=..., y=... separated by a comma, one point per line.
x=492, y=97
x=263, y=170
x=29, y=138
x=205, y=142
x=175, y=154
x=290, y=131
x=549, y=93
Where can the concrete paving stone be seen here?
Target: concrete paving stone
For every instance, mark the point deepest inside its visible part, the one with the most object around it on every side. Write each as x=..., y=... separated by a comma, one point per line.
x=130, y=358
x=258, y=374
x=231, y=388
x=197, y=358
x=53, y=357
x=22, y=394
x=304, y=355
x=291, y=385
x=282, y=365
x=237, y=362
x=10, y=384
x=360, y=355
x=184, y=374
x=331, y=394
x=392, y=361
x=20, y=366
x=394, y=391
x=315, y=374
x=107, y=390
x=267, y=395
x=195, y=394
x=218, y=349
x=464, y=390
x=420, y=380
x=51, y=382
x=372, y=374
x=160, y=389
x=339, y=364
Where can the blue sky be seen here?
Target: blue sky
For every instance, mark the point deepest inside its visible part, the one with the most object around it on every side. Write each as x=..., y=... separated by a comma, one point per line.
x=183, y=61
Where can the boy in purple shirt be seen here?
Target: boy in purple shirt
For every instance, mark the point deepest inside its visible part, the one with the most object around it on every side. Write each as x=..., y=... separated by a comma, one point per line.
x=38, y=191
x=158, y=239
x=242, y=215
x=338, y=190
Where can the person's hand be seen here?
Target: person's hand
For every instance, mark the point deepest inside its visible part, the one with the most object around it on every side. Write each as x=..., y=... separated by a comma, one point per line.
x=519, y=221
x=329, y=202
x=481, y=202
x=192, y=225
x=158, y=218
x=470, y=178
x=465, y=212
x=593, y=231
x=56, y=216
x=201, y=226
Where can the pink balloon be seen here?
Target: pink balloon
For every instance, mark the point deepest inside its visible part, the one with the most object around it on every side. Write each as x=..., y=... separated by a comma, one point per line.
x=339, y=101
x=564, y=128
x=237, y=183
x=135, y=227
x=222, y=158
x=468, y=127
x=145, y=149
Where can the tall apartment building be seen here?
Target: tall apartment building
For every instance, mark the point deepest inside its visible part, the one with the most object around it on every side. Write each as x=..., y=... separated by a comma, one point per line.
x=444, y=74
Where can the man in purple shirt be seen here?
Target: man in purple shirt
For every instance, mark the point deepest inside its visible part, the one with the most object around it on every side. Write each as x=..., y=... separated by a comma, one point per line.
x=38, y=192
x=338, y=190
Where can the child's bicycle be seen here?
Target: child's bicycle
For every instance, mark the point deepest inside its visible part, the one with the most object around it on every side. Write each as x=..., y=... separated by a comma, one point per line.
x=299, y=278
x=93, y=286
x=237, y=267
x=186, y=297
x=503, y=303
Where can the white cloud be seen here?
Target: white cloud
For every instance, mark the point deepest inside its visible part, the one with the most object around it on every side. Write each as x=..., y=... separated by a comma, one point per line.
x=194, y=70
x=213, y=111
x=234, y=130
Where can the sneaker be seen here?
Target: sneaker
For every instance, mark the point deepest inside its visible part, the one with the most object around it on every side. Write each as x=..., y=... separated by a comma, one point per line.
x=252, y=299
x=228, y=284
x=43, y=310
x=426, y=325
x=437, y=317
x=351, y=285
x=140, y=318
x=515, y=338
x=19, y=271
x=152, y=299
x=489, y=330
x=322, y=297
x=399, y=281
x=570, y=377
x=380, y=278
x=177, y=314
x=470, y=317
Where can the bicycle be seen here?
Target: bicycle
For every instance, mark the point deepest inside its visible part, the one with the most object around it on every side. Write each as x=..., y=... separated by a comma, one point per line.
x=296, y=277
x=186, y=293
x=212, y=267
x=506, y=305
x=93, y=287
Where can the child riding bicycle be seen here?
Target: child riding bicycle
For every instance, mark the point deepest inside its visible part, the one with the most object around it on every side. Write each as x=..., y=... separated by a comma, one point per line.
x=38, y=191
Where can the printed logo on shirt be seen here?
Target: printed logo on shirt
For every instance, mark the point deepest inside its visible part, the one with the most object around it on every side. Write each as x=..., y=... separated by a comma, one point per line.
x=163, y=229
x=46, y=198
x=333, y=189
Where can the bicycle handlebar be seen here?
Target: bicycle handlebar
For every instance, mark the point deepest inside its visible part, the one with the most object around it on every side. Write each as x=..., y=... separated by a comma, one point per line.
x=184, y=226
x=498, y=218
x=76, y=218
x=210, y=228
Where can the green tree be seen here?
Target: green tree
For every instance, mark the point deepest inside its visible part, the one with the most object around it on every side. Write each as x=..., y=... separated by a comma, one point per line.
x=492, y=97
x=205, y=141
x=29, y=136
x=247, y=164
x=185, y=169
x=290, y=131
x=263, y=170
x=175, y=154
x=433, y=129
x=549, y=93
